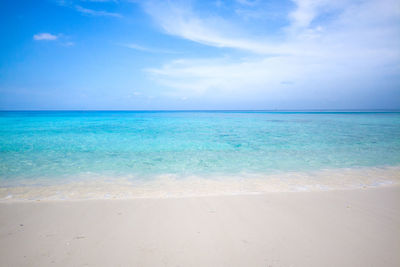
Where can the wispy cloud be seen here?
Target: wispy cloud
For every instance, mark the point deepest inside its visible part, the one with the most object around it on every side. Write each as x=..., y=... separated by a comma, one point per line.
x=68, y=43
x=45, y=37
x=247, y=2
x=343, y=42
x=92, y=12
x=147, y=49
x=60, y=39
x=182, y=21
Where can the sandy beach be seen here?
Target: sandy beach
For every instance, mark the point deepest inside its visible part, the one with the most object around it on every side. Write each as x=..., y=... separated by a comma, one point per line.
x=197, y=133
x=336, y=228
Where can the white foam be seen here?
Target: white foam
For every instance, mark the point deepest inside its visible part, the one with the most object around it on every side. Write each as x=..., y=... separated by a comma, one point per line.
x=168, y=185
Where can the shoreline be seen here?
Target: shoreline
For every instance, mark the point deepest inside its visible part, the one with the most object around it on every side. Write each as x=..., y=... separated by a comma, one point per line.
x=331, y=228
x=172, y=186
x=187, y=196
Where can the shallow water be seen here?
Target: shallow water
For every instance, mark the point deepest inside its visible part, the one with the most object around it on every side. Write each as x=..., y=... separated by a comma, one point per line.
x=47, y=148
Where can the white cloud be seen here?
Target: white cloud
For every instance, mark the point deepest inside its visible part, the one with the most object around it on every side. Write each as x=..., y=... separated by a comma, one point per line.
x=327, y=47
x=180, y=20
x=101, y=13
x=147, y=49
x=247, y=2
x=45, y=37
x=60, y=38
x=305, y=12
x=68, y=44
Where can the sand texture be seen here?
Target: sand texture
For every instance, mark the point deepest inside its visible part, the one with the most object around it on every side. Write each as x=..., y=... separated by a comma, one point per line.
x=336, y=228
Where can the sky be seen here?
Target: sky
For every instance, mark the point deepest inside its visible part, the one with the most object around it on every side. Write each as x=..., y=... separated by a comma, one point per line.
x=195, y=55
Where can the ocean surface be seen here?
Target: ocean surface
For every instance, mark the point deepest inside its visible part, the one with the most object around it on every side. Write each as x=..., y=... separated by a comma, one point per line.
x=40, y=149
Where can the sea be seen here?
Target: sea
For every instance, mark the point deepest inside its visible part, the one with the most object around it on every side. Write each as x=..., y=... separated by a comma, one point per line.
x=60, y=155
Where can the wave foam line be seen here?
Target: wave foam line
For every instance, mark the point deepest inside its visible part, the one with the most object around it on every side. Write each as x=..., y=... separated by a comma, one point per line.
x=168, y=185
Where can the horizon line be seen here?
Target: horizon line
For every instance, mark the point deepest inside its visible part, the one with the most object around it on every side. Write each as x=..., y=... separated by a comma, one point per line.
x=203, y=110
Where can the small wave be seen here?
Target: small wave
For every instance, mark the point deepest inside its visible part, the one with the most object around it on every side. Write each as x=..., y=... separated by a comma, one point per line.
x=169, y=185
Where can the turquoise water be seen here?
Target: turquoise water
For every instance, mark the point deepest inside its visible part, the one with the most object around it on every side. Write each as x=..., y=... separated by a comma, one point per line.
x=141, y=145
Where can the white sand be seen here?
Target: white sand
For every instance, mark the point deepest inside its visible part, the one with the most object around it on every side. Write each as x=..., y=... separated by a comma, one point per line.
x=336, y=228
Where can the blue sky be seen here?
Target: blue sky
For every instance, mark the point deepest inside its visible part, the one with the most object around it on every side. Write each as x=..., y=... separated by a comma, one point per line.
x=239, y=54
